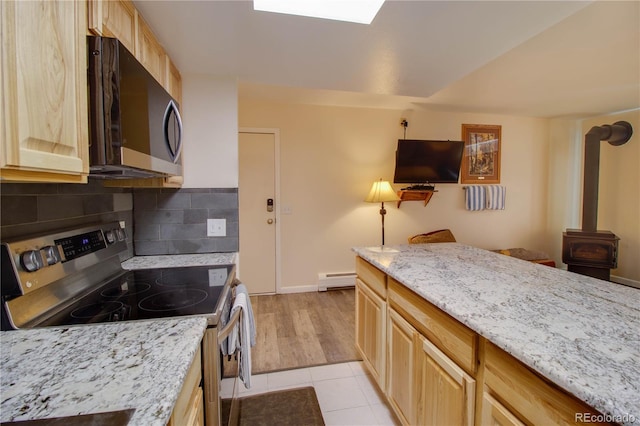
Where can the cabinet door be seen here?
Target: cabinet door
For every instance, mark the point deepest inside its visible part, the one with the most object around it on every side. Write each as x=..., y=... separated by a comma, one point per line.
x=535, y=400
x=150, y=53
x=401, y=390
x=174, y=82
x=189, y=407
x=43, y=90
x=446, y=392
x=114, y=18
x=370, y=330
x=496, y=414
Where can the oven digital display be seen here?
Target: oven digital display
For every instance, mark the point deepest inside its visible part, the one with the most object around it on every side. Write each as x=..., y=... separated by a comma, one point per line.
x=80, y=245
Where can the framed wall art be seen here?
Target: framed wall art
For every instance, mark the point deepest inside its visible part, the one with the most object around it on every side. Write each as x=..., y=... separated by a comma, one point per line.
x=481, y=158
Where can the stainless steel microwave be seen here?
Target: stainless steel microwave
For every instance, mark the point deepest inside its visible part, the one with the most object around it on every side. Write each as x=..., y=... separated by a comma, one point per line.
x=135, y=125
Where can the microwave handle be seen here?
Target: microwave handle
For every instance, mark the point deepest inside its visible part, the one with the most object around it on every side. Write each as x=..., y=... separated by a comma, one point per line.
x=174, y=151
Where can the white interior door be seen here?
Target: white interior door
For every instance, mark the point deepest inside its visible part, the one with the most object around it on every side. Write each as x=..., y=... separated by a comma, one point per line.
x=258, y=227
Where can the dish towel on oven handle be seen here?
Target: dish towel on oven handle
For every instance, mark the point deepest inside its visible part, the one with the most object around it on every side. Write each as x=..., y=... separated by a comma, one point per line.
x=241, y=288
x=240, y=338
x=496, y=195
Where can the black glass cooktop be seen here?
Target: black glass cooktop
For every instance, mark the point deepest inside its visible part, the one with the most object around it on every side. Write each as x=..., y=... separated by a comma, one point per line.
x=149, y=293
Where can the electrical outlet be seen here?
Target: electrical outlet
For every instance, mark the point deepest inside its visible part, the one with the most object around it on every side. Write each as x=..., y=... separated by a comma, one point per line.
x=217, y=277
x=216, y=227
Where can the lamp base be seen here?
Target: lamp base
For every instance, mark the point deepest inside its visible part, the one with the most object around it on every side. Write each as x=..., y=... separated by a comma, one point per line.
x=383, y=249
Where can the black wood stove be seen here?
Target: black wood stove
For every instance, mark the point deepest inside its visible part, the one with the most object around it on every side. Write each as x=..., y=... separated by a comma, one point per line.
x=588, y=251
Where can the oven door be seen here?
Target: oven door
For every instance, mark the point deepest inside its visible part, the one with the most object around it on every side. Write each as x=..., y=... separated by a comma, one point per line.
x=221, y=371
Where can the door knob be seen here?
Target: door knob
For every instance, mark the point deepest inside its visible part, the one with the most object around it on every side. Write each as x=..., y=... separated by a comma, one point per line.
x=269, y=221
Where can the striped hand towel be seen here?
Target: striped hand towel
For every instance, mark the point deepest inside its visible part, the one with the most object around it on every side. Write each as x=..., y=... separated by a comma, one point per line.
x=495, y=197
x=475, y=198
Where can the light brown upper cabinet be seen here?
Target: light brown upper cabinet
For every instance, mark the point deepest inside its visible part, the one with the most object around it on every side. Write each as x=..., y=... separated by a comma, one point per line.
x=121, y=19
x=150, y=53
x=43, y=91
x=114, y=18
x=174, y=82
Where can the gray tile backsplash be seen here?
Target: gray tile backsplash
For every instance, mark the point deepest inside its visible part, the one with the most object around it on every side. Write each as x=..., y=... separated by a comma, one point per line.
x=158, y=221
x=175, y=221
x=40, y=208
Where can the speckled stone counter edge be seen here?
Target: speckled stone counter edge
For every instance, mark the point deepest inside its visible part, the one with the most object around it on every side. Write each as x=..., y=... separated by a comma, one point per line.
x=581, y=333
x=66, y=371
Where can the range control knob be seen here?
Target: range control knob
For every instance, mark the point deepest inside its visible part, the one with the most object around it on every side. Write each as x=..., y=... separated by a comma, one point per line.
x=111, y=238
x=121, y=234
x=31, y=260
x=51, y=255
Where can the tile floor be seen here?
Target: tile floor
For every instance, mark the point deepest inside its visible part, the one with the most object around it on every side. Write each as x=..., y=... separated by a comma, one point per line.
x=346, y=393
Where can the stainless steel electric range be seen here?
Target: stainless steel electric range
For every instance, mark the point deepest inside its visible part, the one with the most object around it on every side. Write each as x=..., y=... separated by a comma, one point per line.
x=74, y=277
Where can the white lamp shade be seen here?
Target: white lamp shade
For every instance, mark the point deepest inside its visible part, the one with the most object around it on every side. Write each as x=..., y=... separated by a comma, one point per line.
x=381, y=191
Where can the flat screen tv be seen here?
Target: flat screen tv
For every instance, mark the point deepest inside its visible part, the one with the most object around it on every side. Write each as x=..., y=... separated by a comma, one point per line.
x=426, y=162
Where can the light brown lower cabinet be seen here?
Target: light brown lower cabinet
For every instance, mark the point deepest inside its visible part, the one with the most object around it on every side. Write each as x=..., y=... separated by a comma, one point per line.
x=424, y=386
x=189, y=407
x=434, y=370
x=530, y=397
x=496, y=414
x=371, y=311
x=402, y=341
x=446, y=394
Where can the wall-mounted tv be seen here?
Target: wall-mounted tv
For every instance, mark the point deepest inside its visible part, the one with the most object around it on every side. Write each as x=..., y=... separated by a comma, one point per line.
x=427, y=162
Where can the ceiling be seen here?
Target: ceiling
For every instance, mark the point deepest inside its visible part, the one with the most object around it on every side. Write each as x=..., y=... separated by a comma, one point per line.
x=534, y=58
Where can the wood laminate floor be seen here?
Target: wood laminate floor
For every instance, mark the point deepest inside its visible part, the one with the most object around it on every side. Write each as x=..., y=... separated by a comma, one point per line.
x=303, y=329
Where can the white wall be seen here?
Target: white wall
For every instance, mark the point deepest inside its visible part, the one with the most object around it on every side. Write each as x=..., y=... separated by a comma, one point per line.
x=210, y=119
x=330, y=156
x=565, y=182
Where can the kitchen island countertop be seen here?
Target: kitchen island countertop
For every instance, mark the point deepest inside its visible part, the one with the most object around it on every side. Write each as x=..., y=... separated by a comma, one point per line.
x=579, y=332
x=67, y=371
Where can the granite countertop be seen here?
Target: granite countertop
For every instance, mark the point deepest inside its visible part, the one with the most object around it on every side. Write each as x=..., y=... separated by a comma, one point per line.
x=579, y=332
x=179, y=260
x=67, y=371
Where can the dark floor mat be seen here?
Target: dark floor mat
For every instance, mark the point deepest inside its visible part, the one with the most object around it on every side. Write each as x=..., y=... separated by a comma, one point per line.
x=286, y=407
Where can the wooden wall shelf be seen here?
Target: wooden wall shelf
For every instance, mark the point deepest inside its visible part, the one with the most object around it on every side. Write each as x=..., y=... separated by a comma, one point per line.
x=415, y=195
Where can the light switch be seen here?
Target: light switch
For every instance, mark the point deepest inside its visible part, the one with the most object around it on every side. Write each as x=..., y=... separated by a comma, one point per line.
x=216, y=227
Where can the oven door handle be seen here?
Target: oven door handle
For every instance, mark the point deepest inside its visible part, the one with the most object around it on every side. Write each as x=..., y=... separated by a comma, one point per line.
x=226, y=330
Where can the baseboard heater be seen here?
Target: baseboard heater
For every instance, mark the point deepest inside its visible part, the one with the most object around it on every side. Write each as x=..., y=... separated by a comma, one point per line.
x=336, y=280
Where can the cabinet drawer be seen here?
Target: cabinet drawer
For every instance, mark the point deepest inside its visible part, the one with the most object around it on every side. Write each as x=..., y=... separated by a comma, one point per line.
x=535, y=399
x=449, y=335
x=372, y=276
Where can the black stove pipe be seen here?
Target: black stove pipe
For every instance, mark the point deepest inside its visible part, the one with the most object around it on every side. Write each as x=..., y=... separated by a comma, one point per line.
x=617, y=134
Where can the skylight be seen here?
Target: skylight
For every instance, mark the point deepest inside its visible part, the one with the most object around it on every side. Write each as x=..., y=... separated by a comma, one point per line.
x=358, y=11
